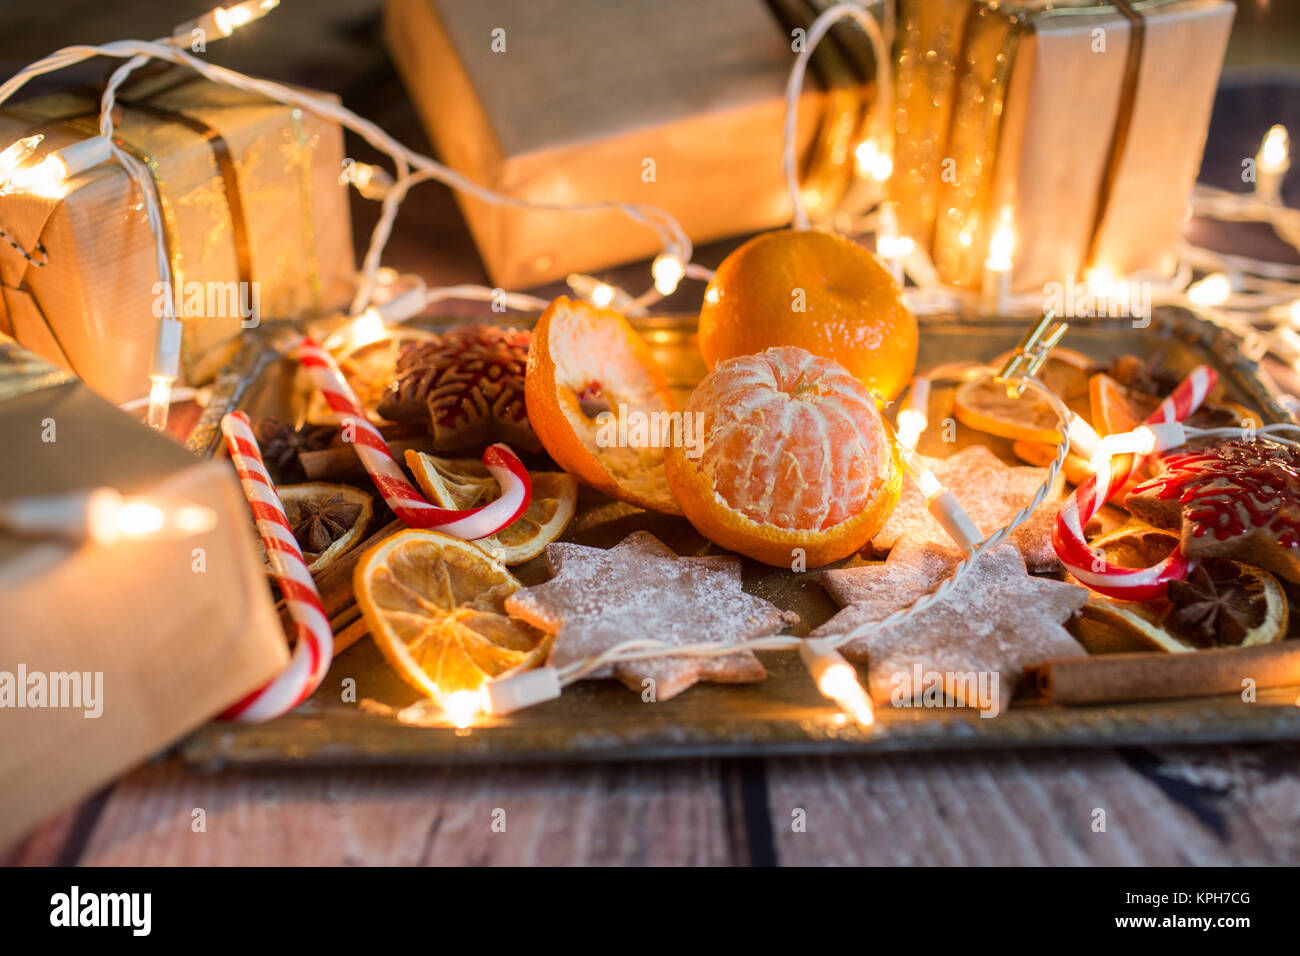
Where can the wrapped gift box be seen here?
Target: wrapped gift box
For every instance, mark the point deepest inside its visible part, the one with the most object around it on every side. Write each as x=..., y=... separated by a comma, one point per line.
x=586, y=94
x=170, y=635
x=1085, y=121
x=250, y=194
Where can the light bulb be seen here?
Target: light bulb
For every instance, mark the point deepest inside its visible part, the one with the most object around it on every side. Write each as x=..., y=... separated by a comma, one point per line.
x=1275, y=152
x=160, y=401
x=602, y=295
x=667, y=271
x=872, y=162
x=461, y=707
x=230, y=19
x=911, y=424
x=1002, y=243
x=12, y=158
x=106, y=517
x=366, y=328
x=837, y=680
x=1214, y=289
x=1100, y=280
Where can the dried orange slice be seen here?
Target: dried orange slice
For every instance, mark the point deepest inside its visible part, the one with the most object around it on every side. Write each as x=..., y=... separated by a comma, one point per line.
x=464, y=483
x=327, y=520
x=1076, y=469
x=369, y=368
x=436, y=610
x=600, y=403
x=984, y=405
x=796, y=465
x=1222, y=603
x=1114, y=409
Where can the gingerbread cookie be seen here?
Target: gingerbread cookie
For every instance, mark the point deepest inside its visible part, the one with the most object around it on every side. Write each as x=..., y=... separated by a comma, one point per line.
x=1239, y=500
x=991, y=492
x=641, y=589
x=997, y=620
x=468, y=384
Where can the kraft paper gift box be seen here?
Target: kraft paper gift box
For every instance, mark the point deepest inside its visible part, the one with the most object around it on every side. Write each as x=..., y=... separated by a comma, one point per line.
x=1085, y=121
x=178, y=634
x=250, y=194
x=591, y=98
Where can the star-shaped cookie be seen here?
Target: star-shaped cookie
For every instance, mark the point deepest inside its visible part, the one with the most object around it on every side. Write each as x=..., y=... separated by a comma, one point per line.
x=641, y=589
x=991, y=492
x=997, y=620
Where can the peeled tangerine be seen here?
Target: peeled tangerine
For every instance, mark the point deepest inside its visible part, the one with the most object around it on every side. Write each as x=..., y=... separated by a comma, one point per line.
x=796, y=467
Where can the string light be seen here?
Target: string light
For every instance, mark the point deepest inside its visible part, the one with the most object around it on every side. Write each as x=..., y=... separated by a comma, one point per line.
x=872, y=162
x=913, y=417
x=1271, y=164
x=668, y=270
x=1214, y=289
x=890, y=246
x=45, y=177
x=461, y=707
x=997, y=265
x=603, y=295
x=13, y=157
x=223, y=21
x=105, y=516
x=837, y=679
x=372, y=182
x=941, y=502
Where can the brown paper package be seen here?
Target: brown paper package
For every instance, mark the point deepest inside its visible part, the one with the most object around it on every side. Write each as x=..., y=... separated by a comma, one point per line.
x=1022, y=106
x=177, y=633
x=250, y=193
x=584, y=96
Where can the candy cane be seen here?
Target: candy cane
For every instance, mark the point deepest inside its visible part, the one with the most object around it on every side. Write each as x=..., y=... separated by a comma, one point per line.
x=406, y=502
x=315, y=646
x=1068, y=538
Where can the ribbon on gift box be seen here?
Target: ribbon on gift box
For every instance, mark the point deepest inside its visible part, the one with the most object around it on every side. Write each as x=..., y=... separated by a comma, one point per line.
x=953, y=211
x=218, y=165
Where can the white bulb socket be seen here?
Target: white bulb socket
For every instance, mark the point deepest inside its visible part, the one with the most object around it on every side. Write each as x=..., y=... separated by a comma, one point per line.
x=506, y=695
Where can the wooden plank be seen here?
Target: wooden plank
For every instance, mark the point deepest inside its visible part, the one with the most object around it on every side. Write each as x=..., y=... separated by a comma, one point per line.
x=1029, y=808
x=555, y=815
x=45, y=845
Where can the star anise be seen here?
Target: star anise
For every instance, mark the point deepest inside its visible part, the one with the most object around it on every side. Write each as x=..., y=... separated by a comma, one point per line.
x=1211, y=608
x=282, y=443
x=321, y=523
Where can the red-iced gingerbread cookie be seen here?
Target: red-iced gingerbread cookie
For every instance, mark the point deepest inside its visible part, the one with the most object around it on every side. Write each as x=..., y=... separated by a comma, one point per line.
x=1238, y=500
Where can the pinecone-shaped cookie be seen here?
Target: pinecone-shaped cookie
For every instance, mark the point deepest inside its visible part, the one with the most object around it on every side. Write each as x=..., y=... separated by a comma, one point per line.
x=468, y=384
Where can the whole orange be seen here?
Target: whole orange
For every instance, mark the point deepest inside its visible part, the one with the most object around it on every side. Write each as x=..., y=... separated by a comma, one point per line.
x=817, y=291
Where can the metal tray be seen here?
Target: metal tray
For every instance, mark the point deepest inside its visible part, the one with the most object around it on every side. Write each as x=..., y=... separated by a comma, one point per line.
x=601, y=720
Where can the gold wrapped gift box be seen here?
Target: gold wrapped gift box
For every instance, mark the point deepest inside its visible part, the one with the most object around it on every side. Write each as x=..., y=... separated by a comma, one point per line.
x=251, y=200
x=149, y=638
x=1085, y=121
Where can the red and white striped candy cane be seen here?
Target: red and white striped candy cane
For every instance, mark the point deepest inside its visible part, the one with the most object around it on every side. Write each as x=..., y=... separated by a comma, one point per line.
x=407, y=503
x=1068, y=538
x=315, y=646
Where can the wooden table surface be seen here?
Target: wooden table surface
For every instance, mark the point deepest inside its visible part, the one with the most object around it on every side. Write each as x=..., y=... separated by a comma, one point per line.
x=1209, y=805
x=1216, y=805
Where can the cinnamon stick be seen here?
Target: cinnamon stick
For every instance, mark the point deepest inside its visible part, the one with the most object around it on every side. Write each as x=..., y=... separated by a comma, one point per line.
x=342, y=462
x=347, y=636
x=335, y=587
x=1108, y=678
